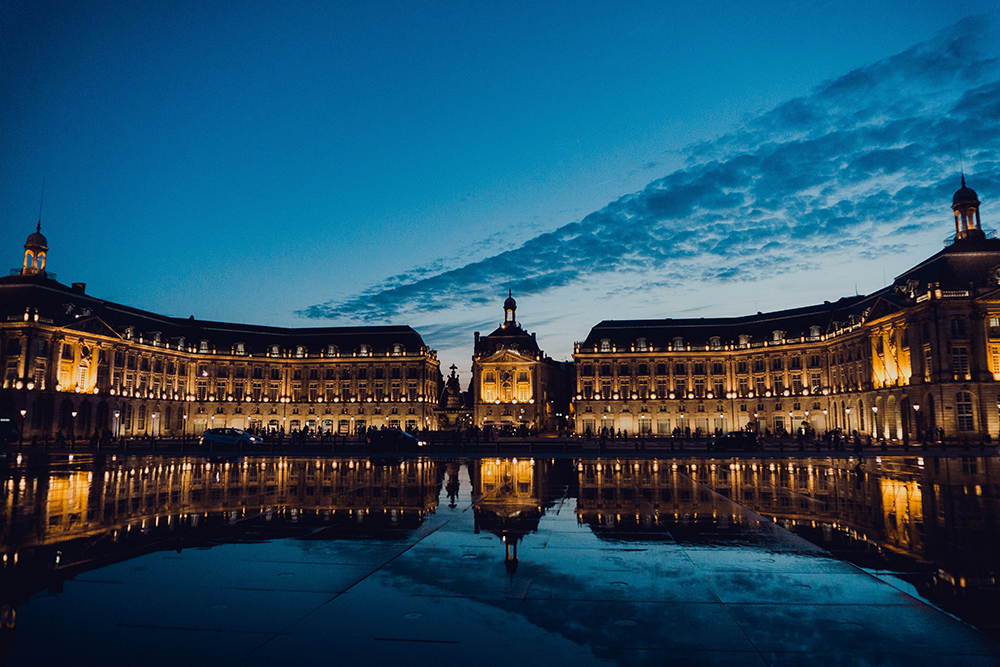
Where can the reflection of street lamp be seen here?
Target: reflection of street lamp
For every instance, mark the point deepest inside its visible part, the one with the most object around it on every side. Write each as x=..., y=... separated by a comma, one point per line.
x=21, y=436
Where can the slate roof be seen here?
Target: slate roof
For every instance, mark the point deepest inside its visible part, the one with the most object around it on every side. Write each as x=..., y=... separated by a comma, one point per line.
x=971, y=265
x=66, y=307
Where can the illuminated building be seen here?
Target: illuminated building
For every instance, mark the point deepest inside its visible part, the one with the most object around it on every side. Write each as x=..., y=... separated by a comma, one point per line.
x=514, y=384
x=919, y=358
x=75, y=364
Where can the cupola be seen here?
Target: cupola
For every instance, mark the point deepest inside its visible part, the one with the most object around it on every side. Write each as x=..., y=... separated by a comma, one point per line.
x=965, y=204
x=35, y=250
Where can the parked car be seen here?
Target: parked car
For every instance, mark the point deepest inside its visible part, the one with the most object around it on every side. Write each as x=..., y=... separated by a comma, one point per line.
x=393, y=440
x=216, y=438
x=735, y=441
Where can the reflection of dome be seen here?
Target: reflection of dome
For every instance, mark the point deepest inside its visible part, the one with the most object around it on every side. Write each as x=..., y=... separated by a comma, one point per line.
x=965, y=195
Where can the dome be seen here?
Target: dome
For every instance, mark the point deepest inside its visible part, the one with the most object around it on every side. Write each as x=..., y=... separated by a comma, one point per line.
x=36, y=238
x=965, y=195
x=509, y=303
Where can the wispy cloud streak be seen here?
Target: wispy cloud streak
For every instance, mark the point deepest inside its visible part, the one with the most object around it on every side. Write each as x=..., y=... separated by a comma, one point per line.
x=862, y=161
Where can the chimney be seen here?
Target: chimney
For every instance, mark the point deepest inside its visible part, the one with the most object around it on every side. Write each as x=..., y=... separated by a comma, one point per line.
x=79, y=288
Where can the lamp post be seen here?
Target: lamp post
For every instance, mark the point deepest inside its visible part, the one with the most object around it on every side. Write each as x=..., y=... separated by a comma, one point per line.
x=184, y=424
x=20, y=437
x=920, y=431
x=117, y=424
x=154, y=416
x=848, y=411
x=72, y=429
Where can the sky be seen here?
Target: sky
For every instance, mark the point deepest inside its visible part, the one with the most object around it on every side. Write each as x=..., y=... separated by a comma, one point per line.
x=338, y=164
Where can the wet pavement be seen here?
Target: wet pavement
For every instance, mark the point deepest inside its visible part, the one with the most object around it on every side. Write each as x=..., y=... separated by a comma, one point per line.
x=729, y=561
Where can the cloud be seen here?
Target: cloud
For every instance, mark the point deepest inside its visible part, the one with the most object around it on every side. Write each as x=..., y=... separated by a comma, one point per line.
x=865, y=160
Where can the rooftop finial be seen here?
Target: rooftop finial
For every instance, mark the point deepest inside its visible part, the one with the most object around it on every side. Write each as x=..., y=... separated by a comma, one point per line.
x=41, y=199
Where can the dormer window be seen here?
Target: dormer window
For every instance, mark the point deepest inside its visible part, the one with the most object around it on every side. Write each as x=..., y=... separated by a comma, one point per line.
x=814, y=333
x=180, y=343
x=715, y=343
x=678, y=344
x=777, y=335
x=300, y=351
x=156, y=338
x=605, y=345
x=744, y=340
x=203, y=347
x=331, y=350
x=275, y=351
x=640, y=345
x=397, y=349
x=240, y=349
x=130, y=332
x=365, y=348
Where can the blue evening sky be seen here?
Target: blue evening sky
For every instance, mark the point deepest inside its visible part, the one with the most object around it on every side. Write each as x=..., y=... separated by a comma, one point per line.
x=335, y=163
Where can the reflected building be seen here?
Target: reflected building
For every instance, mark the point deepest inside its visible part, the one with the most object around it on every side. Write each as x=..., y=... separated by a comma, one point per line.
x=941, y=510
x=124, y=494
x=509, y=497
x=919, y=358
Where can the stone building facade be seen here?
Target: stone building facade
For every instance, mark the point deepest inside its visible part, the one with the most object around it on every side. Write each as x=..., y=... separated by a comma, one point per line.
x=74, y=364
x=919, y=358
x=514, y=384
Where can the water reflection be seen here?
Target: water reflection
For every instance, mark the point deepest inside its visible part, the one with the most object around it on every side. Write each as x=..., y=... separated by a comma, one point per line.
x=934, y=522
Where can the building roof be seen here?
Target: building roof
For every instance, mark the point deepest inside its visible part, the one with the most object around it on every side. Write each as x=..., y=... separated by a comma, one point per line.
x=510, y=337
x=69, y=306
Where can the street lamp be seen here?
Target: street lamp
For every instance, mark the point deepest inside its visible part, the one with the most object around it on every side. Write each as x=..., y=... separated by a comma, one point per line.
x=154, y=416
x=184, y=424
x=20, y=437
x=72, y=428
x=117, y=425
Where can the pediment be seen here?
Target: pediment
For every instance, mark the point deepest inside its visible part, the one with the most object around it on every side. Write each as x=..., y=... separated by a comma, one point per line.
x=882, y=308
x=92, y=325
